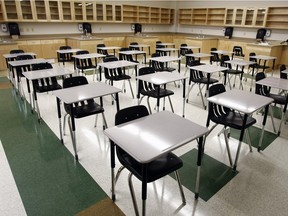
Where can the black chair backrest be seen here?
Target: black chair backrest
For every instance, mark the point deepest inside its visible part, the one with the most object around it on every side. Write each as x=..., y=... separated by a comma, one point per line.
x=65, y=47
x=142, y=85
x=158, y=66
x=130, y=114
x=215, y=56
x=65, y=56
x=215, y=110
x=237, y=51
x=251, y=54
x=134, y=48
x=125, y=57
x=189, y=59
x=16, y=51
x=110, y=73
x=183, y=51
x=24, y=57
x=225, y=64
x=195, y=74
x=283, y=75
x=83, y=63
x=42, y=66
x=261, y=89
x=103, y=52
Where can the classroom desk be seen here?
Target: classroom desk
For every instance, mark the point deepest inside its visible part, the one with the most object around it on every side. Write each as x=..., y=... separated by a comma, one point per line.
x=116, y=64
x=19, y=63
x=166, y=131
x=278, y=83
x=142, y=46
x=168, y=50
x=12, y=57
x=246, y=103
x=81, y=93
x=42, y=74
x=166, y=44
x=110, y=48
x=265, y=59
x=134, y=52
x=166, y=59
x=222, y=52
x=208, y=69
x=162, y=78
x=88, y=56
x=66, y=51
x=190, y=47
x=240, y=63
x=198, y=55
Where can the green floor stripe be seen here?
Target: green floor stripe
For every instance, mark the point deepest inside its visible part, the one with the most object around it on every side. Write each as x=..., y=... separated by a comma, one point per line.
x=255, y=134
x=48, y=179
x=214, y=174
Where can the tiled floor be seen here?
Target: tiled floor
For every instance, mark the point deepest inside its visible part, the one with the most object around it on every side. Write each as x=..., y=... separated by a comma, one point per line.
x=260, y=187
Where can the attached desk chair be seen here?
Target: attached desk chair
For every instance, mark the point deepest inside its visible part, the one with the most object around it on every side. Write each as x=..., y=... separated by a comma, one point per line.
x=78, y=94
x=171, y=131
x=236, y=107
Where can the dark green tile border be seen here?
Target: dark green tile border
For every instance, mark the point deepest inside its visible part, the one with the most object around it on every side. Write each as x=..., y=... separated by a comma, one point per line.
x=214, y=174
x=48, y=179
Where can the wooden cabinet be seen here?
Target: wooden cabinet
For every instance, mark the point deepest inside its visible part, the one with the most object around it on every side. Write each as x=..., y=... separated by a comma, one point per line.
x=41, y=10
x=277, y=17
x=205, y=44
x=1, y=12
x=5, y=49
x=149, y=15
x=53, y=11
x=66, y=11
x=10, y=10
x=216, y=16
x=25, y=12
x=89, y=45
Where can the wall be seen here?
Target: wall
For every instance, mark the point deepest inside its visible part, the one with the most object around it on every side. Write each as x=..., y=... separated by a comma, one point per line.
x=72, y=28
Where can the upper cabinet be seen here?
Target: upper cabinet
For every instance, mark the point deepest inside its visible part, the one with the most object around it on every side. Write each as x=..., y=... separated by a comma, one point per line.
x=10, y=10
x=271, y=17
x=1, y=12
x=53, y=11
x=148, y=15
x=41, y=7
x=277, y=17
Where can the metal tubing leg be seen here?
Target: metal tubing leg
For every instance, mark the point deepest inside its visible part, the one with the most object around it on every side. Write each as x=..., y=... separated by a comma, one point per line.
x=133, y=194
x=180, y=187
x=131, y=89
x=118, y=173
x=227, y=146
x=171, y=104
x=73, y=137
x=104, y=121
x=248, y=139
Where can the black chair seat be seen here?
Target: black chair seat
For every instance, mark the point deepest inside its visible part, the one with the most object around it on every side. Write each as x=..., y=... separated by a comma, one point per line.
x=204, y=80
x=278, y=99
x=154, y=93
x=156, y=169
x=86, y=110
x=233, y=120
x=120, y=77
x=52, y=87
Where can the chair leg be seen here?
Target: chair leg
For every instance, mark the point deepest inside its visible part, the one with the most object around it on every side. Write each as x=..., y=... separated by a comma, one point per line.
x=189, y=90
x=227, y=146
x=73, y=136
x=148, y=102
x=131, y=89
x=248, y=139
x=118, y=173
x=202, y=98
x=272, y=119
x=133, y=194
x=171, y=104
x=96, y=119
x=104, y=121
x=64, y=123
x=180, y=187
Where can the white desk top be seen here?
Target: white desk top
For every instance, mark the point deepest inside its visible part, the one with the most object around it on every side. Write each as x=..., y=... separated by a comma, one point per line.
x=68, y=51
x=88, y=56
x=208, y=68
x=242, y=101
x=40, y=74
x=132, y=52
x=167, y=49
x=27, y=62
x=85, y=92
x=149, y=137
x=107, y=48
x=117, y=64
x=189, y=47
x=285, y=71
x=165, y=58
x=161, y=77
x=240, y=62
x=222, y=52
x=139, y=45
x=166, y=44
x=274, y=82
x=198, y=55
x=263, y=57
x=14, y=55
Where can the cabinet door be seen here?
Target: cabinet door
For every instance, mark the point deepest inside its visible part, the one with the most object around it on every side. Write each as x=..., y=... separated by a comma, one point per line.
x=239, y=16
x=46, y=49
x=66, y=11
x=10, y=10
x=41, y=10
x=53, y=10
x=249, y=17
x=78, y=11
x=25, y=10
x=1, y=12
